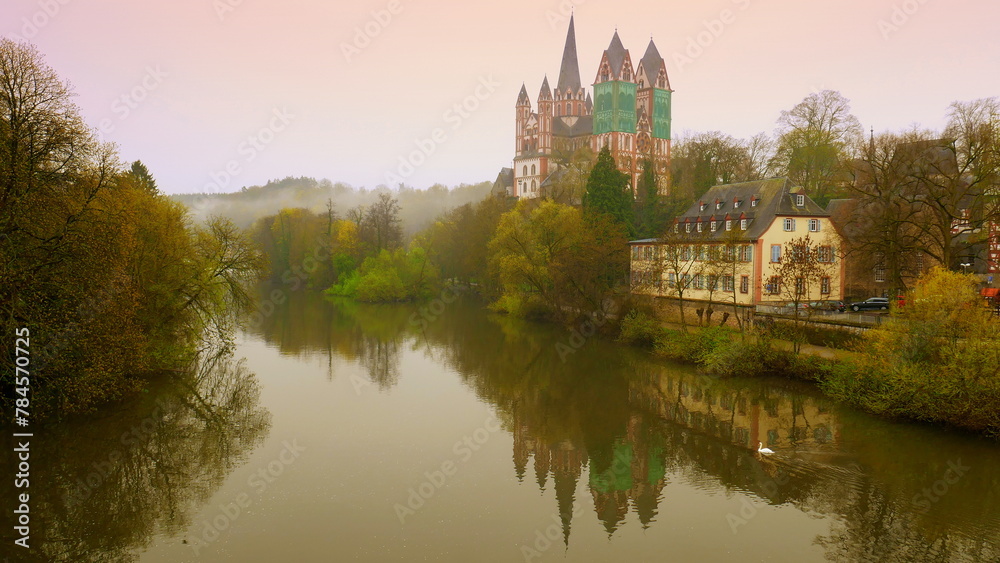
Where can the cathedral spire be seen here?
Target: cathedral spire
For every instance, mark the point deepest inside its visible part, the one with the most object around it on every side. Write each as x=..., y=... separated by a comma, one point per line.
x=522, y=97
x=546, y=92
x=616, y=54
x=569, y=71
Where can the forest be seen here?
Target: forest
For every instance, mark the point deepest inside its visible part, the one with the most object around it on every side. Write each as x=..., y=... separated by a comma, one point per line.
x=112, y=280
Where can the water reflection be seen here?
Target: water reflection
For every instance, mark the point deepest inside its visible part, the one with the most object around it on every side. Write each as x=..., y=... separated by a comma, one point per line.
x=371, y=334
x=610, y=421
x=101, y=488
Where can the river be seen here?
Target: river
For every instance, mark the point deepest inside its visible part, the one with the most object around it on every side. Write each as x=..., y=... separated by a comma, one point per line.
x=336, y=431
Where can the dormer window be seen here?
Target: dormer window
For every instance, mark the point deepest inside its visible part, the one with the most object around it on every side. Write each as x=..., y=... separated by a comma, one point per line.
x=687, y=227
x=714, y=226
x=699, y=226
x=702, y=207
x=743, y=224
x=736, y=204
x=800, y=200
x=729, y=224
x=718, y=205
x=753, y=202
x=677, y=228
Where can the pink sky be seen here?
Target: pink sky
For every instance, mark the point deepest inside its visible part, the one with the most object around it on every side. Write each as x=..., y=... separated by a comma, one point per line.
x=265, y=89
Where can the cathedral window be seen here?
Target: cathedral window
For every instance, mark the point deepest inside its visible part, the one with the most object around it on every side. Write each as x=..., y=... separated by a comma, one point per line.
x=524, y=171
x=532, y=169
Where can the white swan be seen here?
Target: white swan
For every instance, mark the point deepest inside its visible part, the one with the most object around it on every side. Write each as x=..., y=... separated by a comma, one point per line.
x=762, y=450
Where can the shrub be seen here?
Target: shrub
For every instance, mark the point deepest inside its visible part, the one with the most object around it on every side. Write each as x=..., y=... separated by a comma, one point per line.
x=525, y=306
x=692, y=347
x=397, y=275
x=639, y=328
x=940, y=362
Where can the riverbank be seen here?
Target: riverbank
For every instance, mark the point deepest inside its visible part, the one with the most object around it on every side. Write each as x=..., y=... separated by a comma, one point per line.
x=877, y=377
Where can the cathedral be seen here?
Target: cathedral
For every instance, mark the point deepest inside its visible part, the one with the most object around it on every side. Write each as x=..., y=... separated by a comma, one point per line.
x=629, y=113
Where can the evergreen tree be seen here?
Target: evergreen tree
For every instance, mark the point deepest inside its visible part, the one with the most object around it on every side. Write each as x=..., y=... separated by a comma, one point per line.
x=650, y=213
x=142, y=178
x=608, y=191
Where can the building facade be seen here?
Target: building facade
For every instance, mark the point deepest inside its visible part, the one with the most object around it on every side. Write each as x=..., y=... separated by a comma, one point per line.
x=732, y=244
x=630, y=113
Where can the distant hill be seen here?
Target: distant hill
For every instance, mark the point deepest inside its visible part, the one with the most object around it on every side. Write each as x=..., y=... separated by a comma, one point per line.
x=418, y=208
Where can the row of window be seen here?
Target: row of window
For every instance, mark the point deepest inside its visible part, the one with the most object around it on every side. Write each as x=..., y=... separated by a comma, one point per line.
x=559, y=109
x=824, y=254
x=713, y=225
x=700, y=252
x=743, y=253
x=789, y=225
x=712, y=283
x=773, y=286
x=709, y=282
x=736, y=204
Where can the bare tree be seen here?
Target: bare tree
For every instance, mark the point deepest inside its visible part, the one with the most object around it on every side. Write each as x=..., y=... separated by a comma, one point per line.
x=881, y=226
x=729, y=262
x=380, y=227
x=798, y=273
x=955, y=182
x=678, y=261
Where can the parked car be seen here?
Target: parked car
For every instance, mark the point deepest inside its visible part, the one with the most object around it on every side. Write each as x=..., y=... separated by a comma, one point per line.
x=871, y=304
x=828, y=305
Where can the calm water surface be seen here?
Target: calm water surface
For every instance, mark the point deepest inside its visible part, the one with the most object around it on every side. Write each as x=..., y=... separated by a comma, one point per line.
x=343, y=432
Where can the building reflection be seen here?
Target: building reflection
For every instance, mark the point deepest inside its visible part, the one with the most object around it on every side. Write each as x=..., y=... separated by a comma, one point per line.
x=610, y=430
x=677, y=420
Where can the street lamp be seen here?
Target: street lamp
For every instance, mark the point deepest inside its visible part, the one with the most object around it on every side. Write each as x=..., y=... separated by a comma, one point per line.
x=965, y=267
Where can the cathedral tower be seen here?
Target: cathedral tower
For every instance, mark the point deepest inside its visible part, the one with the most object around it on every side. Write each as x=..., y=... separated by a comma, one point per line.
x=629, y=113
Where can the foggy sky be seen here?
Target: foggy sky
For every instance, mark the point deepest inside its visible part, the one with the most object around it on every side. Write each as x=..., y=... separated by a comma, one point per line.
x=214, y=95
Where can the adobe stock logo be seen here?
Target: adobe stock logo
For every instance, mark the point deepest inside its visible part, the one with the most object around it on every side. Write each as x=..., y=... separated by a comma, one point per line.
x=933, y=494
x=125, y=104
x=48, y=10
x=365, y=34
x=900, y=16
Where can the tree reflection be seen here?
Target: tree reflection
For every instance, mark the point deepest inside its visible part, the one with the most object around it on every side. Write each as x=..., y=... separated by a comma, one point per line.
x=307, y=325
x=102, y=487
x=631, y=426
x=609, y=423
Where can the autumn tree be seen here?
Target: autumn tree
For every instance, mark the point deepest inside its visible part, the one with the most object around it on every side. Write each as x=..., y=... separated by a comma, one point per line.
x=104, y=271
x=458, y=241
x=938, y=361
x=814, y=139
x=553, y=260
